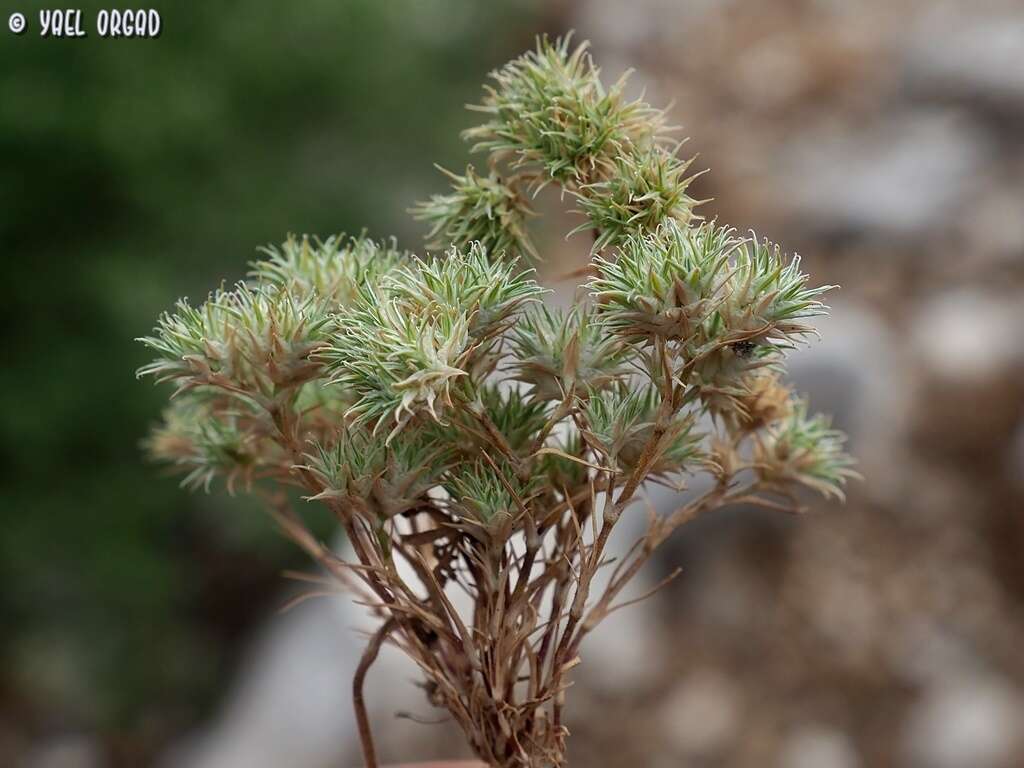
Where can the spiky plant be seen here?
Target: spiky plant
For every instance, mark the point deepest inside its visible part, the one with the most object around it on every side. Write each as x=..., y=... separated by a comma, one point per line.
x=455, y=425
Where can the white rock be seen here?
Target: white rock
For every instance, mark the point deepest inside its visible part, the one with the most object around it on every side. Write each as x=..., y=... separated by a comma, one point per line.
x=965, y=721
x=966, y=336
x=702, y=716
x=818, y=746
x=901, y=176
x=65, y=752
x=980, y=56
x=291, y=704
x=858, y=373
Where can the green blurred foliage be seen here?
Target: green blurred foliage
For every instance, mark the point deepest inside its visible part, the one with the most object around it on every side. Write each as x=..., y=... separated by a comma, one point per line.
x=135, y=171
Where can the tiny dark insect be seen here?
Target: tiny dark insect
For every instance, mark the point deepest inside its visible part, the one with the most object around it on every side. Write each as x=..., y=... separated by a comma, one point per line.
x=744, y=348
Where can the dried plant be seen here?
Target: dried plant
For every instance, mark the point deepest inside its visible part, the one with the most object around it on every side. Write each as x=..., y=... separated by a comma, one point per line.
x=461, y=431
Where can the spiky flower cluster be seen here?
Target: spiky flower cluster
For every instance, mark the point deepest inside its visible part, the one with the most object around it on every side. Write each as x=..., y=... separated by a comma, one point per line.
x=426, y=329
x=479, y=209
x=548, y=109
x=454, y=423
x=250, y=339
x=559, y=354
x=803, y=449
x=550, y=119
x=334, y=270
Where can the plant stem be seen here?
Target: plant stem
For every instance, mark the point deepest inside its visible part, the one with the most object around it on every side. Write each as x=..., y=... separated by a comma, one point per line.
x=358, y=700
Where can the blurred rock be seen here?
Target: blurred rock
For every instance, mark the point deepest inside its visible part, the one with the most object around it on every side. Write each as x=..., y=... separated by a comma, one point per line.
x=858, y=373
x=292, y=702
x=642, y=22
x=818, y=746
x=65, y=752
x=968, y=397
x=980, y=56
x=995, y=231
x=901, y=175
x=967, y=336
x=701, y=717
x=966, y=722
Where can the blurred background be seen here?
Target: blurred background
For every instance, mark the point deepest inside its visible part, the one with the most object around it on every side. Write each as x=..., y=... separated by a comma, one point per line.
x=881, y=139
